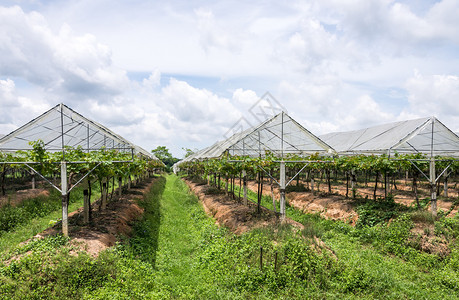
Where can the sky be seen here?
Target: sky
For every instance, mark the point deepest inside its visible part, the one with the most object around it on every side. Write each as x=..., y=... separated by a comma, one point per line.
x=186, y=73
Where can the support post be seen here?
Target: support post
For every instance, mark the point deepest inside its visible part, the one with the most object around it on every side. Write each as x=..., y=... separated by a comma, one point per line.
x=104, y=193
x=65, y=203
x=33, y=181
x=282, y=189
x=272, y=195
x=86, y=206
x=244, y=186
x=120, y=185
x=433, y=198
x=445, y=186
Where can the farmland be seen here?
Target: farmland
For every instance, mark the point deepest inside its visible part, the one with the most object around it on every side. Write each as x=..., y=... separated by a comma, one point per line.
x=178, y=251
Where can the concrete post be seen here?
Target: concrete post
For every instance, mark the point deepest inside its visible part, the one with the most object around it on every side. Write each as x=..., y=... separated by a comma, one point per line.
x=432, y=187
x=65, y=203
x=282, y=189
x=244, y=186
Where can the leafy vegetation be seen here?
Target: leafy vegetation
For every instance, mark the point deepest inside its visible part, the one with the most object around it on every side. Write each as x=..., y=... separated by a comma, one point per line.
x=163, y=154
x=178, y=252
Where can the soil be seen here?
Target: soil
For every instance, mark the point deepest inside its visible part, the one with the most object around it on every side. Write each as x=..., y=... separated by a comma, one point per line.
x=427, y=241
x=16, y=198
x=328, y=206
x=233, y=214
x=335, y=206
x=106, y=227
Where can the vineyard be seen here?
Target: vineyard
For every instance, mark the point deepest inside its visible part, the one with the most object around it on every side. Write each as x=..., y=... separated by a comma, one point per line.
x=272, y=212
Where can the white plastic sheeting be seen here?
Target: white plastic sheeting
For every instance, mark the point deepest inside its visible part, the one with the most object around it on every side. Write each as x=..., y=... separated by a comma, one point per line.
x=62, y=127
x=280, y=135
x=425, y=135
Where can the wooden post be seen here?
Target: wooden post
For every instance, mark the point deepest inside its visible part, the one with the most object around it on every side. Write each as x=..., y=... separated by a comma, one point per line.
x=282, y=190
x=353, y=184
x=275, y=260
x=103, y=203
x=261, y=258
x=33, y=181
x=312, y=182
x=65, y=203
x=445, y=186
x=86, y=206
x=120, y=186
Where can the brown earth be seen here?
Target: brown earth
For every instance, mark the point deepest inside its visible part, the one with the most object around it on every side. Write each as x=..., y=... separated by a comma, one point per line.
x=106, y=226
x=17, y=197
x=328, y=206
x=336, y=206
x=236, y=216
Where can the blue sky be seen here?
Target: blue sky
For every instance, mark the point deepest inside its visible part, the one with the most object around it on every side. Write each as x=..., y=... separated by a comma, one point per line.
x=182, y=73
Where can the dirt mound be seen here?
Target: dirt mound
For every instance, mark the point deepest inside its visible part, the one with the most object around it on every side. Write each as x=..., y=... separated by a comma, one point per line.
x=329, y=206
x=424, y=239
x=17, y=197
x=106, y=226
x=239, y=218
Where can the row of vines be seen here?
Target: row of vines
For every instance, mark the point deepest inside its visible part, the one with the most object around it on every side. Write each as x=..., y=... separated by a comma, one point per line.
x=369, y=171
x=103, y=167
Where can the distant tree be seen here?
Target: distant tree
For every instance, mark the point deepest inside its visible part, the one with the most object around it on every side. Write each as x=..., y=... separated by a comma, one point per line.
x=163, y=154
x=188, y=152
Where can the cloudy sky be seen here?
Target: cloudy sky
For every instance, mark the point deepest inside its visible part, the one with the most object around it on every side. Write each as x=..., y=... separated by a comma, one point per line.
x=183, y=73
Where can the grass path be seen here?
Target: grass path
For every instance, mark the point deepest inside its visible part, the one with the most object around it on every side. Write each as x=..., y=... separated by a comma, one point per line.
x=178, y=222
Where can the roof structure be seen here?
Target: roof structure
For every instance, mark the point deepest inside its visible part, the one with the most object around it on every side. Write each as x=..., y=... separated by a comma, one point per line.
x=62, y=127
x=280, y=135
x=425, y=135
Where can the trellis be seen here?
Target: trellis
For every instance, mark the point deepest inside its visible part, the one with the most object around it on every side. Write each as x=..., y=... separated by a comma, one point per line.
x=282, y=136
x=61, y=128
x=427, y=136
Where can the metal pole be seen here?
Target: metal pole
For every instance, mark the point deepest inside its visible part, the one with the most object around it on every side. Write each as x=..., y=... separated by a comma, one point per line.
x=433, y=199
x=433, y=179
x=282, y=190
x=244, y=178
x=88, y=137
x=64, y=192
x=282, y=137
x=65, y=203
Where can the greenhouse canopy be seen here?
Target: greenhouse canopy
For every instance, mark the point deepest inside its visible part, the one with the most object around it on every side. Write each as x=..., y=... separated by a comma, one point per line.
x=62, y=127
x=425, y=135
x=280, y=135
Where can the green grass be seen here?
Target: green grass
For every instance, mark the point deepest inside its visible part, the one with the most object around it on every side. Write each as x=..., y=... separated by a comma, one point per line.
x=177, y=252
x=42, y=219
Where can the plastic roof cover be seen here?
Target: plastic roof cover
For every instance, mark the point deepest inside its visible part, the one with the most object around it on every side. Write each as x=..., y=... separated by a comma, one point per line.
x=280, y=135
x=61, y=126
x=426, y=135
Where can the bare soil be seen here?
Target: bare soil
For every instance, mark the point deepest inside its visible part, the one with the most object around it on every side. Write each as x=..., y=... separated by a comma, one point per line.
x=328, y=206
x=233, y=214
x=107, y=226
x=16, y=198
x=337, y=207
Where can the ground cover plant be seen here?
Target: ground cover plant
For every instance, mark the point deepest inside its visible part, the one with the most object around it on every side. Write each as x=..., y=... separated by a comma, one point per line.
x=177, y=251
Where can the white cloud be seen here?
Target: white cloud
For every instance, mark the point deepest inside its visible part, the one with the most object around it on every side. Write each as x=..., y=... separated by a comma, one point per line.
x=332, y=64
x=435, y=95
x=16, y=109
x=61, y=63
